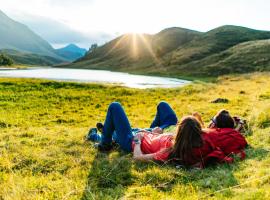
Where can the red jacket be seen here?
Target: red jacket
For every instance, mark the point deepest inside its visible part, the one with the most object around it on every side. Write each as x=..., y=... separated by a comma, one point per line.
x=219, y=146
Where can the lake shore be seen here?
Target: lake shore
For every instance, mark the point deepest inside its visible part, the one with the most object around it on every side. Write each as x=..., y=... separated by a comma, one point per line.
x=96, y=76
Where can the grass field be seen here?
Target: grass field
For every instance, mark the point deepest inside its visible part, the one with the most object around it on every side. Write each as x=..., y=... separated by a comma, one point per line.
x=43, y=154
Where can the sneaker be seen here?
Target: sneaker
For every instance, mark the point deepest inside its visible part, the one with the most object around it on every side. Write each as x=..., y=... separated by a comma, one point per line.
x=93, y=135
x=99, y=126
x=103, y=147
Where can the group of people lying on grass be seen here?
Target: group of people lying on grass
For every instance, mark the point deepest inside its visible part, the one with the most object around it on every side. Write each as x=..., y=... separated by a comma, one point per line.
x=191, y=145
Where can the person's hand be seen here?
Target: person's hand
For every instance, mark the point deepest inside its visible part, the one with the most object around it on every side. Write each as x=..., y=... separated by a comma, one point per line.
x=144, y=131
x=138, y=136
x=211, y=125
x=197, y=115
x=157, y=130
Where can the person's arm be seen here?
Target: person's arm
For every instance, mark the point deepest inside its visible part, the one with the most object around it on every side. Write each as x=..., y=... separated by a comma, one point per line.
x=198, y=116
x=157, y=130
x=239, y=124
x=137, y=153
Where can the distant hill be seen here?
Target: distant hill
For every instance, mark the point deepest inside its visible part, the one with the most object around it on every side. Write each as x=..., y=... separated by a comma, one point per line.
x=214, y=41
x=241, y=58
x=71, y=52
x=133, y=50
x=183, y=52
x=121, y=52
x=171, y=38
x=16, y=36
x=30, y=58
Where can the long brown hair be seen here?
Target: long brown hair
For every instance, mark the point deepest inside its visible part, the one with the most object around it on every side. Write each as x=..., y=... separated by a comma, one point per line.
x=188, y=136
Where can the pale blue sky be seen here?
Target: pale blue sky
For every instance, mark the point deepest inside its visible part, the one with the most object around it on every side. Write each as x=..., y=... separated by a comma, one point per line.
x=87, y=21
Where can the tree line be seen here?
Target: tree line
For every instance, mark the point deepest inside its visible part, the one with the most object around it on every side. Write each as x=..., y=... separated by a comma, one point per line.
x=5, y=60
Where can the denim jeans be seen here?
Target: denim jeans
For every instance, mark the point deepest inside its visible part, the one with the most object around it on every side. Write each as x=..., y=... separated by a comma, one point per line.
x=165, y=116
x=117, y=126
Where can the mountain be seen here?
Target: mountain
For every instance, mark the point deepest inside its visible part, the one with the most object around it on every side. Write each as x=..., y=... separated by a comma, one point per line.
x=214, y=41
x=136, y=50
x=170, y=39
x=16, y=36
x=71, y=52
x=242, y=58
x=121, y=51
x=182, y=52
x=30, y=58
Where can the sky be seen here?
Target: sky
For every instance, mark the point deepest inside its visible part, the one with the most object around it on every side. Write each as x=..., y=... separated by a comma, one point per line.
x=85, y=22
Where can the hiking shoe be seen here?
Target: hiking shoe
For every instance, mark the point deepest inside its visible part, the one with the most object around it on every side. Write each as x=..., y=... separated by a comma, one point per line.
x=99, y=126
x=103, y=147
x=93, y=135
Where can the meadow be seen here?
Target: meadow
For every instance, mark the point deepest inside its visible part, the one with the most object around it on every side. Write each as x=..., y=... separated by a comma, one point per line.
x=43, y=154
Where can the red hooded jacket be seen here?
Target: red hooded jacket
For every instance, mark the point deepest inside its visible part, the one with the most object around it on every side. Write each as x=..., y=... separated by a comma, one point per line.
x=219, y=146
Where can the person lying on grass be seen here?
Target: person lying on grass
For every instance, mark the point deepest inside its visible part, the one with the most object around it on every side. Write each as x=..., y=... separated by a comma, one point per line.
x=189, y=146
x=116, y=119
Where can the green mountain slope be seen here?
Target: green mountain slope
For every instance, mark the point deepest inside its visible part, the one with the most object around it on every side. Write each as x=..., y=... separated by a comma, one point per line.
x=14, y=35
x=137, y=50
x=214, y=41
x=181, y=52
x=242, y=58
x=30, y=58
x=123, y=51
x=172, y=38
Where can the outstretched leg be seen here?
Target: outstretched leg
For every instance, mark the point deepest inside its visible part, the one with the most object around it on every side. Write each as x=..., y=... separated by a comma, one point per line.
x=165, y=116
x=116, y=120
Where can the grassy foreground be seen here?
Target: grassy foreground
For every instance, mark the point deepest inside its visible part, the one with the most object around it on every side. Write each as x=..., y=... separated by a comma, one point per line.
x=43, y=154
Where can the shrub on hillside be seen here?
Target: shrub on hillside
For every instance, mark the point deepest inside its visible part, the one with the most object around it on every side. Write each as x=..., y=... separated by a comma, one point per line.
x=5, y=60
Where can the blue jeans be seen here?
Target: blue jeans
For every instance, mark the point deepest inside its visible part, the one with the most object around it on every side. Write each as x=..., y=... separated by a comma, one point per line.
x=165, y=116
x=117, y=125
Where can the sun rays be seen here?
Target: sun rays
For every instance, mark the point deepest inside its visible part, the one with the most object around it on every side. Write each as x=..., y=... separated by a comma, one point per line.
x=149, y=47
x=134, y=47
x=137, y=46
x=117, y=44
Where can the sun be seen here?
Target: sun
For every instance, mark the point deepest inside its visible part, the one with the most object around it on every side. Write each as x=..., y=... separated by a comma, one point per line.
x=138, y=46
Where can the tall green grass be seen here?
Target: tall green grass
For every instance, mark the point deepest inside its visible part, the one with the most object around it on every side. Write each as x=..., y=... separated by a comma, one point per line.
x=43, y=154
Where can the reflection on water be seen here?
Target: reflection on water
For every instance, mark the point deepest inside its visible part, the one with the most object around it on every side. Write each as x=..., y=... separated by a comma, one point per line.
x=100, y=76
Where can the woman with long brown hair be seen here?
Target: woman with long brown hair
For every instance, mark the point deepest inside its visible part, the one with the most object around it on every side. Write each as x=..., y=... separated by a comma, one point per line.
x=188, y=137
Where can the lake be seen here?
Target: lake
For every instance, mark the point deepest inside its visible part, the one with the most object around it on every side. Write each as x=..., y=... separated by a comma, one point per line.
x=95, y=76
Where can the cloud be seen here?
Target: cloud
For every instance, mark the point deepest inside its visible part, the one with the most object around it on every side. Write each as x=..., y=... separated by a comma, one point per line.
x=60, y=34
x=89, y=21
x=69, y=2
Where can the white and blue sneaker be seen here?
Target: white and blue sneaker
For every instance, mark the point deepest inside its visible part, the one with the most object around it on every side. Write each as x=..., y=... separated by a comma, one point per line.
x=93, y=135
